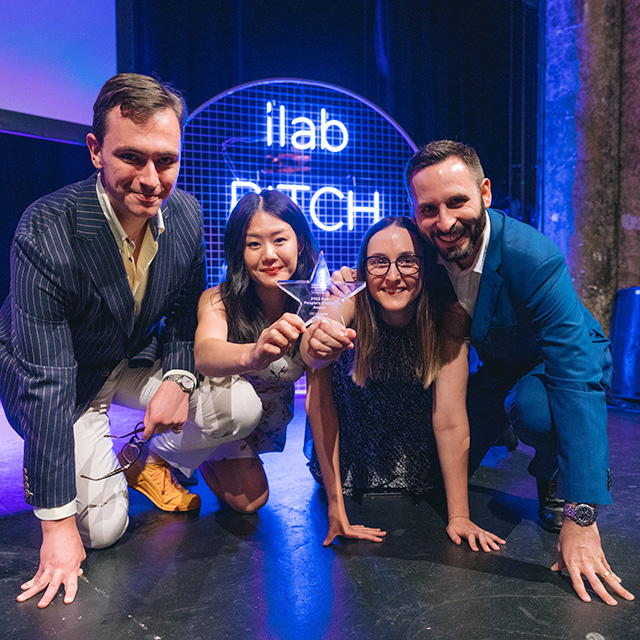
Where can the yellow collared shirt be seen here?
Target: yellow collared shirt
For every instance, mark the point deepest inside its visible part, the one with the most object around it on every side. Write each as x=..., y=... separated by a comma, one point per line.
x=137, y=272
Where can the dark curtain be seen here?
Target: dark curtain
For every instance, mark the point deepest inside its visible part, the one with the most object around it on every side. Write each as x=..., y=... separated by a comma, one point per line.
x=441, y=69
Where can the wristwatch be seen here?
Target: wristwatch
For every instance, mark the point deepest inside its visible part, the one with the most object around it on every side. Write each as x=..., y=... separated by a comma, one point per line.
x=582, y=514
x=187, y=384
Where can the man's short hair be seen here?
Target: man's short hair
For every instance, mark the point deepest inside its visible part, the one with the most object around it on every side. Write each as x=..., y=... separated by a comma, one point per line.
x=139, y=98
x=440, y=150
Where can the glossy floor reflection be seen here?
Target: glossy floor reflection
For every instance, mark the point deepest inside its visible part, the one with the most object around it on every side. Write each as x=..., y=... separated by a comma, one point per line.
x=216, y=574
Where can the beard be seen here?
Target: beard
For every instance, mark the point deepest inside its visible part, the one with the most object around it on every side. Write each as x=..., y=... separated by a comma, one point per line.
x=472, y=231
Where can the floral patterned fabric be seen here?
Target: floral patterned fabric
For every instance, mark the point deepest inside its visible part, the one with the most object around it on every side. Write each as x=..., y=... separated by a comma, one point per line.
x=275, y=388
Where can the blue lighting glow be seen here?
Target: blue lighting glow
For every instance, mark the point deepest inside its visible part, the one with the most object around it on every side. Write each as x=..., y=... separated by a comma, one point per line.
x=55, y=56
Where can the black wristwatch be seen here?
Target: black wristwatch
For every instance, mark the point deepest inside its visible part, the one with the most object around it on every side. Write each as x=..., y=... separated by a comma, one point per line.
x=582, y=514
x=187, y=384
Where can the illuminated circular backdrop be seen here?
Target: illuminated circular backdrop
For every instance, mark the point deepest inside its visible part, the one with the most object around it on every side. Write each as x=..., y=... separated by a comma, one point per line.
x=337, y=155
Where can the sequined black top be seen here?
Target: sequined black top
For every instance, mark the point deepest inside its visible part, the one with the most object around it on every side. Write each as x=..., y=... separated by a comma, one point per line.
x=386, y=431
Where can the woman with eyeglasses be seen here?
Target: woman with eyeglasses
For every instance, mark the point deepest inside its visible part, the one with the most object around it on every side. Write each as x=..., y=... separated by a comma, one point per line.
x=400, y=394
x=248, y=332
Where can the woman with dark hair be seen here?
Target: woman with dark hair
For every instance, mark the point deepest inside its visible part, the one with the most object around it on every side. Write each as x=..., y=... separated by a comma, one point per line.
x=248, y=331
x=399, y=395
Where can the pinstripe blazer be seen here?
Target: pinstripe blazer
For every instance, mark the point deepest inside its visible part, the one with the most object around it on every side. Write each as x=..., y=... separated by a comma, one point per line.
x=69, y=320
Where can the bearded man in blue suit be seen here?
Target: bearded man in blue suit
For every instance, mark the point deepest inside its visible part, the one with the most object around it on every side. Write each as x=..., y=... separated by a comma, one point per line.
x=105, y=280
x=544, y=357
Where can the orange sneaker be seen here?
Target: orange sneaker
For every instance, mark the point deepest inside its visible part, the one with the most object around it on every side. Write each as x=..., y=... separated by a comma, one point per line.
x=156, y=481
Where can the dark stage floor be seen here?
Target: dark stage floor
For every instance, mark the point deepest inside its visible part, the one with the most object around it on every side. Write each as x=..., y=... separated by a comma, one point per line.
x=218, y=574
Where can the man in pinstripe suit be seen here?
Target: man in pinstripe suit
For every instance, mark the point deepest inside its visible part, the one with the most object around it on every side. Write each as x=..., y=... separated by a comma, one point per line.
x=105, y=280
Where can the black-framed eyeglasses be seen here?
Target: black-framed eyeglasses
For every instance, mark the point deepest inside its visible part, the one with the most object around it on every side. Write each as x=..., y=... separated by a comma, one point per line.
x=407, y=265
x=130, y=452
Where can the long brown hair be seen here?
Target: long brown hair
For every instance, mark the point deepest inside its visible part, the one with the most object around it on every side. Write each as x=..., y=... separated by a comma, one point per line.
x=429, y=307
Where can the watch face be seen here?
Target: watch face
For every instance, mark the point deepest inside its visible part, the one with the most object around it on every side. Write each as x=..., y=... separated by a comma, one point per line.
x=187, y=383
x=584, y=515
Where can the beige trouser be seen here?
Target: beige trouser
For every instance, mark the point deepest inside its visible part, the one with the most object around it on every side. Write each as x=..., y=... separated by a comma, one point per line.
x=220, y=410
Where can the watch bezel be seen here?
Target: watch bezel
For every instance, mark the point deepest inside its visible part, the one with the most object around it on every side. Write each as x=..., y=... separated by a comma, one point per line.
x=185, y=382
x=582, y=514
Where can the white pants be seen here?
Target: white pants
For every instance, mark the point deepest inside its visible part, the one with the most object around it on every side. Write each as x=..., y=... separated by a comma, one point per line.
x=220, y=410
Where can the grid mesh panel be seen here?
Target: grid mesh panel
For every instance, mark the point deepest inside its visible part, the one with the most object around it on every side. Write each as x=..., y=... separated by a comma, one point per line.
x=226, y=140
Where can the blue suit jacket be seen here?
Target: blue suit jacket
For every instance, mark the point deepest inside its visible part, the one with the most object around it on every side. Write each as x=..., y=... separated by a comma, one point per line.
x=528, y=313
x=69, y=320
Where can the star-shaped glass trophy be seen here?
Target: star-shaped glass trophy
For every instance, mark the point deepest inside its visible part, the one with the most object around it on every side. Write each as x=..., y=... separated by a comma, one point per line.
x=319, y=295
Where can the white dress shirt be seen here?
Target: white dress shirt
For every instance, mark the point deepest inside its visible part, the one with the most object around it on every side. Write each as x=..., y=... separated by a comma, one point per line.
x=466, y=283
